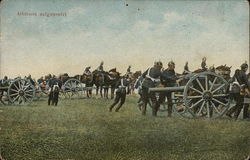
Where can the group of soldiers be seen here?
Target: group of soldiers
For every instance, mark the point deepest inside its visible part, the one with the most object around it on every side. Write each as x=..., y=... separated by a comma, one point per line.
x=153, y=76
x=156, y=75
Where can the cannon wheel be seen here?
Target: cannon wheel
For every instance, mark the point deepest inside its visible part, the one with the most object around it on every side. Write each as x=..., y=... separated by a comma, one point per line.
x=21, y=92
x=72, y=89
x=206, y=95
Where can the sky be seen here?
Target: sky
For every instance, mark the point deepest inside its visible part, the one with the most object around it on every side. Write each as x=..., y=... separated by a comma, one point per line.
x=120, y=33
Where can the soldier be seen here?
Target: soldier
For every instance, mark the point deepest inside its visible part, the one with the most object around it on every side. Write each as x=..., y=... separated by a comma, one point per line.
x=31, y=80
x=87, y=70
x=246, y=106
x=100, y=67
x=129, y=69
x=186, y=69
x=4, y=81
x=120, y=93
x=151, y=79
x=169, y=79
x=241, y=78
x=53, y=82
x=203, y=64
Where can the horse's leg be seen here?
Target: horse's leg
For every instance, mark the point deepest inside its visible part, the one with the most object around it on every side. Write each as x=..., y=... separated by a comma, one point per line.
x=112, y=92
x=101, y=87
x=97, y=89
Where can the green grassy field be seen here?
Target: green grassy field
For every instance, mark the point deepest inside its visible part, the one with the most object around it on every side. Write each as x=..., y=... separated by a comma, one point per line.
x=84, y=129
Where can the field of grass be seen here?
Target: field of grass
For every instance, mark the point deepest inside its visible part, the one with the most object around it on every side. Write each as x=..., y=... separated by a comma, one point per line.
x=84, y=129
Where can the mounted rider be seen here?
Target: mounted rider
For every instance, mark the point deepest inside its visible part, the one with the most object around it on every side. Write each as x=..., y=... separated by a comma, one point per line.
x=100, y=67
x=186, y=69
x=203, y=64
x=151, y=79
x=87, y=70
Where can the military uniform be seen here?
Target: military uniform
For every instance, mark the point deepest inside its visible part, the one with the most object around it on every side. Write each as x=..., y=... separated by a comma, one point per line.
x=168, y=79
x=241, y=77
x=120, y=94
x=151, y=79
x=87, y=71
x=203, y=66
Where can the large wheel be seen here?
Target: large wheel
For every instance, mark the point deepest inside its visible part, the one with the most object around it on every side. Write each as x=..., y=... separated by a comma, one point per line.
x=206, y=95
x=21, y=92
x=72, y=89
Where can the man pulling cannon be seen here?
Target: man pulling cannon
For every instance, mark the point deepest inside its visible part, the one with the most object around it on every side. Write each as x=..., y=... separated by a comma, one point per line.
x=151, y=79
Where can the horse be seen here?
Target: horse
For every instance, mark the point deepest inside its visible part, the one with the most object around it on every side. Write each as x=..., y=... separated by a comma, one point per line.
x=87, y=79
x=98, y=81
x=133, y=77
x=110, y=80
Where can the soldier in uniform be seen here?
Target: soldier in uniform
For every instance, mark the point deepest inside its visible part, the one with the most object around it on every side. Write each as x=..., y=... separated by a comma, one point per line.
x=241, y=78
x=87, y=70
x=129, y=69
x=120, y=93
x=100, y=67
x=186, y=69
x=169, y=79
x=31, y=80
x=203, y=64
x=151, y=79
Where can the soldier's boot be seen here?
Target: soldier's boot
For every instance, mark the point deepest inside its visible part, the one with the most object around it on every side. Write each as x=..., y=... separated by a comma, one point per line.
x=117, y=109
x=143, y=108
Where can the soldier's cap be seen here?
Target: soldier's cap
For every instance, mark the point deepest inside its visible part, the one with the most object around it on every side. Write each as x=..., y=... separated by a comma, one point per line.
x=158, y=63
x=244, y=66
x=171, y=63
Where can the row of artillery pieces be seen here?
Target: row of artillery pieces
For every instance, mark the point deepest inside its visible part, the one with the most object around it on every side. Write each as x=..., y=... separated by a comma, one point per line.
x=198, y=95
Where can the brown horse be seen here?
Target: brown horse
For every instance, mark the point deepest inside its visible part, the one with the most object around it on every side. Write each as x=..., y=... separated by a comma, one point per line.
x=133, y=77
x=87, y=79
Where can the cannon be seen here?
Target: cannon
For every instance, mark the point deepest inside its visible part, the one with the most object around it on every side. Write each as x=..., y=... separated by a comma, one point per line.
x=201, y=95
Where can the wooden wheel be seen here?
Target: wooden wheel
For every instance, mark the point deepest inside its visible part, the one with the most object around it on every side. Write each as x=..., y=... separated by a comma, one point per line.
x=206, y=95
x=21, y=92
x=72, y=89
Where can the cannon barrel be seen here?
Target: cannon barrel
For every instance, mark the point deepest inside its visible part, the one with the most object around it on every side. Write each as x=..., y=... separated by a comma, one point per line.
x=166, y=89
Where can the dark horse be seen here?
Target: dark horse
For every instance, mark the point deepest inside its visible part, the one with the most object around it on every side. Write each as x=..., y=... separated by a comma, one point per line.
x=98, y=81
x=88, y=80
x=110, y=80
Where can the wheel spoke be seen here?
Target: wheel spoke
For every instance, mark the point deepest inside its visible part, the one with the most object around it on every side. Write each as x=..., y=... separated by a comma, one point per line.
x=213, y=84
x=208, y=110
x=14, y=90
x=26, y=87
x=196, y=103
x=193, y=97
x=31, y=95
x=220, y=95
x=201, y=107
x=14, y=94
x=218, y=88
x=216, y=100
x=216, y=109
x=206, y=84
x=19, y=84
x=16, y=98
x=196, y=90
x=15, y=86
x=198, y=81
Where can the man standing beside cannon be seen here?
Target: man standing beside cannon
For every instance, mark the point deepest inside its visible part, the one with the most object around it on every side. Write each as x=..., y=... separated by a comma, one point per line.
x=168, y=79
x=151, y=79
